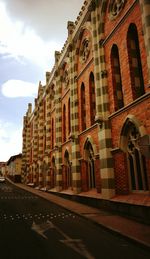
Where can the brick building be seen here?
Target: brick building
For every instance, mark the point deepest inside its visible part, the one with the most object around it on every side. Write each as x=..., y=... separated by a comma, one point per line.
x=90, y=125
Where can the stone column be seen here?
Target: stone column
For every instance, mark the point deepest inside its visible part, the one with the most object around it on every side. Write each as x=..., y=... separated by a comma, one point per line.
x=40, y=134
x=48, y=137
x=24, y=150
x=35, y=134
x=28, y=138
x=102, y=103
x=145, y=10
x=76, y=174
x=58, y=125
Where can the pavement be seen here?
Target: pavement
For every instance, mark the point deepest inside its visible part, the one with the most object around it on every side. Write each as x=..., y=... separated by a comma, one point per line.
x=132, y=230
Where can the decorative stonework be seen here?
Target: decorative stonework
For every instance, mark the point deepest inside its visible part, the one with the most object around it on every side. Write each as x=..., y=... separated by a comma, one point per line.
x=133, y=137
x=66, y=78
x=85, y=50
x=115, y=8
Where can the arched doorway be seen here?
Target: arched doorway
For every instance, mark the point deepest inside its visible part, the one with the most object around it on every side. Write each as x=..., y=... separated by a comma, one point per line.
x=44, y=173
x=89, y=157
x=67, y=171
x=53, y=173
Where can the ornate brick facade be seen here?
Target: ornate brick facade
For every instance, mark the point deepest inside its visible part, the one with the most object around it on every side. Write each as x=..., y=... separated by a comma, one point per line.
x=91, y=119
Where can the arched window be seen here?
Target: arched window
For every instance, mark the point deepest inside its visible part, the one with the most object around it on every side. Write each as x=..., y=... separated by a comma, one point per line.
x=64, y=123
x=52, y=96
x=92, y=98
x=69, y=119
x=134, y=56
x=52, y=133
x=136, y=161
x=44, y=140
x=116, y=77
x=44, y=109
x=83, y=108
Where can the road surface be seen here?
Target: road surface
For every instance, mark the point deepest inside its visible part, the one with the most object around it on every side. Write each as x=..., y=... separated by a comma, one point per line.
x=34, y=228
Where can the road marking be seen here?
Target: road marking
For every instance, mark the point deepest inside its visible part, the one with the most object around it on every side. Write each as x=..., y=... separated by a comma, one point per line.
x=76, y=244
x=41, y=228
x=39, y=216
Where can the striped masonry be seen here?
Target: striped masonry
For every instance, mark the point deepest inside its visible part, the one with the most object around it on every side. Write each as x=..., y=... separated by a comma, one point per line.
x=102, y=105
x=76, y=174
x=58, y=133
x=145, y=9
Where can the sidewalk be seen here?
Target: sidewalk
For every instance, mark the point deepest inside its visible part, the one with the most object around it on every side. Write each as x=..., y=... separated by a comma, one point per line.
x=135, y=231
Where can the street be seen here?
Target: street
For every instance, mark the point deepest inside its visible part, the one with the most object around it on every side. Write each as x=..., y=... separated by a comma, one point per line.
x=31, y=227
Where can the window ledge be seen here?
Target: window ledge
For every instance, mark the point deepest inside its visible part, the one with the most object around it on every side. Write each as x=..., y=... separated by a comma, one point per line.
x=130, y=105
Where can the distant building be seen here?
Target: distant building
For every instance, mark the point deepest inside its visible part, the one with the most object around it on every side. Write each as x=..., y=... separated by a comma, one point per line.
x=14, y=165
x=3, y=169
x=90, y=125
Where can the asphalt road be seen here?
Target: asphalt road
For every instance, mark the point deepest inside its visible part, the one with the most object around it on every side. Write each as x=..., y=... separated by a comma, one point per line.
x=33, y=228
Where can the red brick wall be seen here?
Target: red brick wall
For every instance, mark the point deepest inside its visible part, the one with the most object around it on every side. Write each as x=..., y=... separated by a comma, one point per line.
x=84, y=176
x=86, y=34
x=121, y=173
x=93, y=133
x=65, y=102
x=85, y=79
x=110, y=24
x=66, y=146
x=140, y=111
x=120, y=39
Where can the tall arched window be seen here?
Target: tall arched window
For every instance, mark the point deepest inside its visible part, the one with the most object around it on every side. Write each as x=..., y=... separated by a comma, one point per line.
x=136, y=73
x=116, y=77
x=64, y=123
x=44, y=140
x=92, y=98
x=83, y=108
x=52, y=133
x=52, y=96
x=44, y=109
x=69, y=119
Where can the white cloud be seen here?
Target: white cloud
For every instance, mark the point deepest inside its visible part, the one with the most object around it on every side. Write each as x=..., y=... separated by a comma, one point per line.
x=10, y=140
x=20, y=41
x=18, y=88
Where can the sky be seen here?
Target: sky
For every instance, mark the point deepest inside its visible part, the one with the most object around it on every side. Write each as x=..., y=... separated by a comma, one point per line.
x=30, y=32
